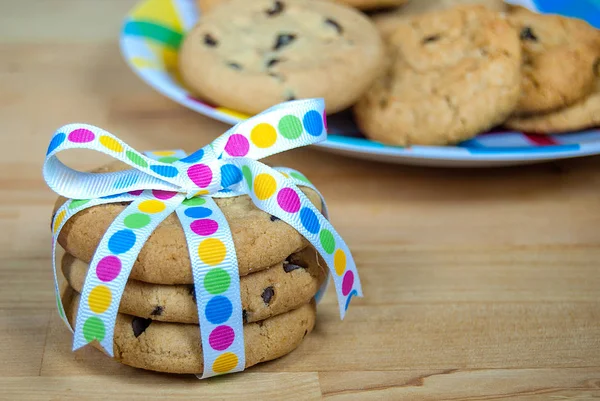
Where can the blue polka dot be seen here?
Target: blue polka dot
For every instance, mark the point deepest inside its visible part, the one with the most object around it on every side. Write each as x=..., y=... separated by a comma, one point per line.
x=218, y=310
x=126, y=181
x=56, y=142
x=313, y=123
x=165, y=171
x=194, y=157
x=230, y=175
x=353, y=293
x=309, y=220
x=121, y=241
x=197, y=212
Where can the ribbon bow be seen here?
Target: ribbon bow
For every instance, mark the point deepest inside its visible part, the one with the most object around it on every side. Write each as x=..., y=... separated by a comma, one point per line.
x=158, y=186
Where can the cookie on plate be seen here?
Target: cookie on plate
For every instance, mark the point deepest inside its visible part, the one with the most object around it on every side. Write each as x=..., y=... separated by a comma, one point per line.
x=176, y=347
x=251, y=55
x=386, y=21
x=581, y=115
x=278, y=289
x=261, y=240
x=559, y=54
x=452, y=74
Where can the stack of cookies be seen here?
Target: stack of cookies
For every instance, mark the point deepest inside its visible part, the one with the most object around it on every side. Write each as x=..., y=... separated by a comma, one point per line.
x=157, y=324
x=429, y=72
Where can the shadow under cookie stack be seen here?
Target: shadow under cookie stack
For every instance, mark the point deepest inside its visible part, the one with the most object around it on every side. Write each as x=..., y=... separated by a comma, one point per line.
x=417, y=72
x=157, y=324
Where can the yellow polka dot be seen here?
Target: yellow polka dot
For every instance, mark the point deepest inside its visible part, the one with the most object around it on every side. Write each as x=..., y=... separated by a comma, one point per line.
x=212, y=251
x=58, y=219
x=339, y=262
x=111, y=143
x=99, y=299
x=202, y=192
x=225, y=363
x=263, y=135
x=264, y=186
x=164, y=153
x=151, y=206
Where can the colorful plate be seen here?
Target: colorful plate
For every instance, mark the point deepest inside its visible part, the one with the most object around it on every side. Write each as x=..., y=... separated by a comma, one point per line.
x=154, y=29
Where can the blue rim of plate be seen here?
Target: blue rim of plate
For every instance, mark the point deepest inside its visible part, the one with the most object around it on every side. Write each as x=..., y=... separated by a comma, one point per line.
x=154, y=29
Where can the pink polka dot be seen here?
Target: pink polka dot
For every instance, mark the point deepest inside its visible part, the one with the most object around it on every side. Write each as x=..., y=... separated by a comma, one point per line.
x=237, y=145
x=221, y=338
x=347, y=282
x=204, y=227
x=81, y=135
x=200, y=174
x=325, y=121
x=108, y=268
x=160, y=194
x=136, y=193
x=288, y=200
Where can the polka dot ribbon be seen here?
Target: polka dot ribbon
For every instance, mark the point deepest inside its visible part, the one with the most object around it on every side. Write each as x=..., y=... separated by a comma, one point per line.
x=166, y=182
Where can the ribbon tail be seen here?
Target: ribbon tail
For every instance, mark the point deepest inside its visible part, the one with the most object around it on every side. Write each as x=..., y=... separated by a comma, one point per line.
x=274, y=193
x=112, y=263
x=216, y=285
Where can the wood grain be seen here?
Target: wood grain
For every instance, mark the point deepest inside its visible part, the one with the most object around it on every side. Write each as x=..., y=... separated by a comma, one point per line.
x=479, y=284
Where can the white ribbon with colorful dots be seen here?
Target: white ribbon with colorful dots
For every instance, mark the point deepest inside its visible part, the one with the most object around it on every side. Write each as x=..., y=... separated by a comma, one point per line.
x=161, y=183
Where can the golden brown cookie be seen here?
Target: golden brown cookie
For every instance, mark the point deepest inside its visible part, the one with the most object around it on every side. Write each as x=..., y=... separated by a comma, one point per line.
x=260, y=240
x=278, y=289
x=177, y=348
x=251, y=55
x=386, y=21
x=452, y=75
x=559, y=54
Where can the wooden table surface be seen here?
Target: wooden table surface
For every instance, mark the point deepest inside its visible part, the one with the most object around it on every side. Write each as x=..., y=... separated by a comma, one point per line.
x=480, y=284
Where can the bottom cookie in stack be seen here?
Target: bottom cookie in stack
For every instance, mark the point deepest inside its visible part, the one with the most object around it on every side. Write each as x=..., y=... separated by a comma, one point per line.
x=157, y=325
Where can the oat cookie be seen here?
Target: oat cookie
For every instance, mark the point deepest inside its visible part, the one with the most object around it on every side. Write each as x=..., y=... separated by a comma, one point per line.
x=176, y=347
x=260, y=240
x=559, y=54
x=452, y=74
x=386, y=21
x=251, y=55
x=581, y=115
x=278, y=289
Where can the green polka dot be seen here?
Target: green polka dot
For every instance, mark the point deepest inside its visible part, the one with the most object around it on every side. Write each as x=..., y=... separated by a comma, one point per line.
x=136, y=220
x=196, y=201
x=136, y=159
x=327, y=241
x=217, y=281
x=61, y=311
x=290, y=127
x=168, y=159
x=247, y=175
x=93, y=329
x=77, y=202
x=300, y=177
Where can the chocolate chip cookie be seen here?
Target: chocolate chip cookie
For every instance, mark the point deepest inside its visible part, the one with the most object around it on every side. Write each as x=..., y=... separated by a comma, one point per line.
x=559, y=54
x=251, y=55
x=386, y=21
x=176, y=347
x=278, y=289
x=260, y=240
x=452, y=75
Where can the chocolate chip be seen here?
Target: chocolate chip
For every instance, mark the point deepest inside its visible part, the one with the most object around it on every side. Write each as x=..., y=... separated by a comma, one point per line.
x=284, y=39
x=139, y=325
x=527, y=34
x=431, y=38
x=267, y=295
x=277, y=8
x=209, y=40
x=274, y=218
x=245, y=316
x=157, y=311
x=192, y=292
x=305, y=333
x=335, y=25
x=235, y=66
x=288, y=267
x=272, y=62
